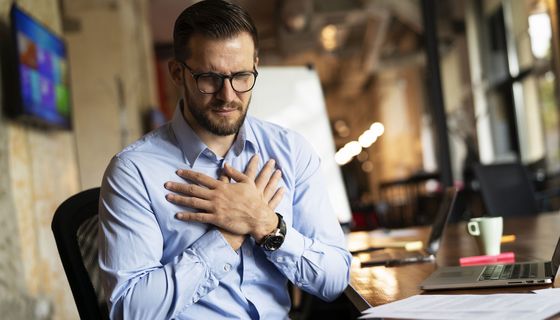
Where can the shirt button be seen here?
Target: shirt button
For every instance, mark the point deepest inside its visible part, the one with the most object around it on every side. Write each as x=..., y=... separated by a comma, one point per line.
x=279, y=259
x=227, y=267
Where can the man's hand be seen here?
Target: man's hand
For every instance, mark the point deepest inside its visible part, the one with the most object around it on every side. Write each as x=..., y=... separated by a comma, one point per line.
x=245, y=207
x=235, y=240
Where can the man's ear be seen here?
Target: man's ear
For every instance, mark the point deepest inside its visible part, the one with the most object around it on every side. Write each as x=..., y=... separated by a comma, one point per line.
x=176, y=72
x=256, y=62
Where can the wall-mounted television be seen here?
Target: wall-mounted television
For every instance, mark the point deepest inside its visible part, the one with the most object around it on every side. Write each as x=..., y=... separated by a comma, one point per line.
x=39, y=79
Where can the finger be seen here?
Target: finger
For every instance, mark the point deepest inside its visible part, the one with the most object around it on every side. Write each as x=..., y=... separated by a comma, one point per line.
x=198, y=178
x=234, y=174
x=272, y=184
x=275, y=201
x=196, y=217
x=264, y=175
x=224, y=178
x=191, y=202
x=188, y=189
x=252, y=167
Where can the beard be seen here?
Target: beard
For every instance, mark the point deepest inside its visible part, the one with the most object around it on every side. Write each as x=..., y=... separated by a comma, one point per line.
x=217, y=125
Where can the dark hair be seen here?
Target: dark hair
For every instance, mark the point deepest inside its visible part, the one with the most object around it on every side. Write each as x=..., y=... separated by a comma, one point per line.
x=216, y=19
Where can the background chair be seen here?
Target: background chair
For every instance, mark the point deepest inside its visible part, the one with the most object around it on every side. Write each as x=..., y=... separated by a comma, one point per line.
x=75, y=230
x=407, y=200
x=506, y=189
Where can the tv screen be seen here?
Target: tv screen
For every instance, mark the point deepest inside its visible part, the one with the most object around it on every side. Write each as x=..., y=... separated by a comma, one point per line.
x=42, y=91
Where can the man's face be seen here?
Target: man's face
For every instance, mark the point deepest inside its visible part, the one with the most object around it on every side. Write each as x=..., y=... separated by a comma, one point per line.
x=221, y=113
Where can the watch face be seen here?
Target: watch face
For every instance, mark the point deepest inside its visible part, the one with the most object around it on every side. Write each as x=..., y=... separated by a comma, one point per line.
x=273, y=242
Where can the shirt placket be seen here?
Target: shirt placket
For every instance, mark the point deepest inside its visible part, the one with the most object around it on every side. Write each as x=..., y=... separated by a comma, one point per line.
x=248, y=276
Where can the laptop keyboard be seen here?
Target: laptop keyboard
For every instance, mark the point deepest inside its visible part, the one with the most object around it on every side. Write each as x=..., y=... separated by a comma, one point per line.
x=509, y=271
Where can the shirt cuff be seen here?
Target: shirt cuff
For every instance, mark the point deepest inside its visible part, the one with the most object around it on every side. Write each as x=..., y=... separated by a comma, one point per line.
x=216, y=253
x=289, y=253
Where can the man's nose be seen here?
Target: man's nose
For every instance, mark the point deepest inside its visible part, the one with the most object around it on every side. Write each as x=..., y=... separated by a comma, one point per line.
x=226, y=94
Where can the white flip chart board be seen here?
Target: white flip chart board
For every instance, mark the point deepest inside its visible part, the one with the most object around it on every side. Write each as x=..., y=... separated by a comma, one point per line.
x=292, y=97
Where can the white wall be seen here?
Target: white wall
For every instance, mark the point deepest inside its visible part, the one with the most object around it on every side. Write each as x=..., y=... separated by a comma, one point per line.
x=292, y=97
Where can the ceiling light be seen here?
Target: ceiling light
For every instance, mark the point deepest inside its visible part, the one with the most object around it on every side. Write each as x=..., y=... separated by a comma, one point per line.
x=329, y=37
x=377, y=128
x=367, y=138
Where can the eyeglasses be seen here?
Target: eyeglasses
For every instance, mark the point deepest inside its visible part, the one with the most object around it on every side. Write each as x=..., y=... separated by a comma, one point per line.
x=211, y=82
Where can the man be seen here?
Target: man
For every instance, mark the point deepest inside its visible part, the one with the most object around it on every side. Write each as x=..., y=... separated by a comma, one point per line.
x=196, y=222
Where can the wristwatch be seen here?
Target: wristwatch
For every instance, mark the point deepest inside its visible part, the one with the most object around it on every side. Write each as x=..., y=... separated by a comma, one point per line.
x=273, y=241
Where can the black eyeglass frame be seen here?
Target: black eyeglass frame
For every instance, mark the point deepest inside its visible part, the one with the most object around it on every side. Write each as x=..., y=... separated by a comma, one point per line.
x=223, y=77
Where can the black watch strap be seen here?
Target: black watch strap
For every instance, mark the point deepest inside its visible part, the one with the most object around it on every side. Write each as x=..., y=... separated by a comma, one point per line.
x=274, y=240
x=281, y=224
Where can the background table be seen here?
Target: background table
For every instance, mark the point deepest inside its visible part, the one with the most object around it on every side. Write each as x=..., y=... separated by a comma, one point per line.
x=536, y=238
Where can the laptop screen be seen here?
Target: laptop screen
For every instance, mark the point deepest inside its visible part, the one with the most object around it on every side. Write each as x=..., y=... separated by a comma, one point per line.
x=556, y=258
x=443, y=214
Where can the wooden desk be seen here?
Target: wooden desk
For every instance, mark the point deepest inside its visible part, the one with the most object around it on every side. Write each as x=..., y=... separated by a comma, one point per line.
x=536, y=240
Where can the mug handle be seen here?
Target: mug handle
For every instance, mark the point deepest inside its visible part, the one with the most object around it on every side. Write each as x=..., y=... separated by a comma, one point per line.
x=472, y=228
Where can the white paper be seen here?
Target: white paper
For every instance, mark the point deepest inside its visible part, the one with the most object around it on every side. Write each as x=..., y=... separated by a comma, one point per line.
x=481, y=307
x=548, y=291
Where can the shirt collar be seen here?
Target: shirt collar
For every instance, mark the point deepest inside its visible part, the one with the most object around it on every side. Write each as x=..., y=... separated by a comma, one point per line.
x=245, y=137
x=192, y=146
x=189, y=142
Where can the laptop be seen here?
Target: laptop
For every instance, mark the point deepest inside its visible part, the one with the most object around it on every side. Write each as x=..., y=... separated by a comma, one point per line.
x=495, y=275
x=424, y=255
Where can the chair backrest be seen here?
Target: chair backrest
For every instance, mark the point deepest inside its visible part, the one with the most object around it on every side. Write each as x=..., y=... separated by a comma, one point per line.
x=75, y=228
x=506, y=189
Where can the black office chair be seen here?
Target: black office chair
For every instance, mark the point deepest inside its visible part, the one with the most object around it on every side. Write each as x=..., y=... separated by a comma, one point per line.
x=506, y=189
x=75, y=227
x=75, y=230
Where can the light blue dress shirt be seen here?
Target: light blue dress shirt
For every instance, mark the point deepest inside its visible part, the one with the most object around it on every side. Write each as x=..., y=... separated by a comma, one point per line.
x=154, y=266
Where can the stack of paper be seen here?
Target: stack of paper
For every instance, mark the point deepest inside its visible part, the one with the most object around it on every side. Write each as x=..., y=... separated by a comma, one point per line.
x=541, y=304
